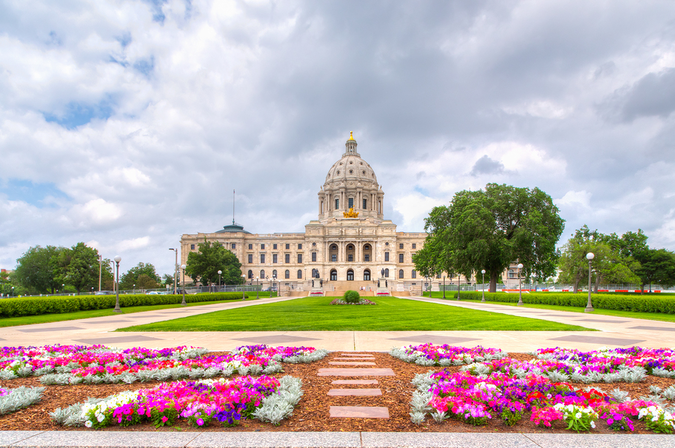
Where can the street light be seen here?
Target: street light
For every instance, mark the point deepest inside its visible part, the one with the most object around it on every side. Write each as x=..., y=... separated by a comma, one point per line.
x=520, y=285
x=444, y=287
x=183, y=302
x=243, y=289
x=175, y=270
x=100, y=271
x=117, y=284
x=134, y=288
x=482, y=271
x=589, y=305
x=63, y=288
x=459, y=282
x=274, y=279
x=257, y=289
x=219, y=274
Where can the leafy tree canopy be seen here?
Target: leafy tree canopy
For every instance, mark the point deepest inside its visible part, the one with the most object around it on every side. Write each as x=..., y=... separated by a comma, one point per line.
x=78, y=267
x=143, y=275
x=490, y=229
x=203, y=265
x=35, y=270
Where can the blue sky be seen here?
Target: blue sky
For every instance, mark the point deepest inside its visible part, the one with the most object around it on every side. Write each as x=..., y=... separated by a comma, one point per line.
x=125, y=124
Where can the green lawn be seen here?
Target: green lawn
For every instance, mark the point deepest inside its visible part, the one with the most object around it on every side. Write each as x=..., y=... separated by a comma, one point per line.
x=46, y=318
x=316, y=314
x=574, y=309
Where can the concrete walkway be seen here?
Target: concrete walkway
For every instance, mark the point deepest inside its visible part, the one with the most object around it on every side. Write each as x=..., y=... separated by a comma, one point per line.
x=612, y=332
x=137, y=439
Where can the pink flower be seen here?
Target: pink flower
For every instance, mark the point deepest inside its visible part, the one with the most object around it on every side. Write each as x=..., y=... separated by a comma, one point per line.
x=164, y=419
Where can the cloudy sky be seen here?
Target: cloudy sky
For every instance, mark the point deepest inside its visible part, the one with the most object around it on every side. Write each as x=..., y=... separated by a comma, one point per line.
x=125, y=124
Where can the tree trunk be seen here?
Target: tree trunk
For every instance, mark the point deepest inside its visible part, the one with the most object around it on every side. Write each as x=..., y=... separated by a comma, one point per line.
x=493, y=281
x=576, y=285
x=597, y=283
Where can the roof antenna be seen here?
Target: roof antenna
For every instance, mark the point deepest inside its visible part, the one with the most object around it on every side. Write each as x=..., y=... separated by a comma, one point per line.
x=233, y=207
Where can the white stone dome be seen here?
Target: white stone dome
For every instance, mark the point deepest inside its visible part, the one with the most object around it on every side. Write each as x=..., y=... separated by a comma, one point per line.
x=351, y=167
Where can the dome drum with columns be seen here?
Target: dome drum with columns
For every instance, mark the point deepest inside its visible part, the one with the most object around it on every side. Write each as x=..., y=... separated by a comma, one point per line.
x=349, y=246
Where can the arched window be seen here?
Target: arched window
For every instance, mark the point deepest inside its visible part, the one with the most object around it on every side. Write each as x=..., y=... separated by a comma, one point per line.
x=414, y=274
x=386, y=273
x=366, y=275
x=299, y=274
x=333, y=275
x=400, y=273
x=287, y=274
x=350, y=275
x=333, y=249
x=250, y=273
x=367, y=252
x=262, y=273
x=350, y=252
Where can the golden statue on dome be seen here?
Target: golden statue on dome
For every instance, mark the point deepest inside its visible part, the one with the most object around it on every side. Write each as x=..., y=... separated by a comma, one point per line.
x=351, y=213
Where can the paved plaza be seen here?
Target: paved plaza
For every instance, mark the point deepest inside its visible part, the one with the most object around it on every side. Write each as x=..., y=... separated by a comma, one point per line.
x=611, y=332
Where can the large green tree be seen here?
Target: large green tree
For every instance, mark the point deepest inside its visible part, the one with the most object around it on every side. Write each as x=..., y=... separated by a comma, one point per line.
x=78, y=267
x=203, y=265
x=143, y=275
x=656, y=266
x=492, y=228
x=35, y=270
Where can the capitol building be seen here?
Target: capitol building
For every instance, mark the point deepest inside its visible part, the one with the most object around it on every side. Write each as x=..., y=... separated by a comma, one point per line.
x=349, y=246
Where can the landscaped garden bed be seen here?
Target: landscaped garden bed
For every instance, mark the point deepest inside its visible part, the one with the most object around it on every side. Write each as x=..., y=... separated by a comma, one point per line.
x=399, y=394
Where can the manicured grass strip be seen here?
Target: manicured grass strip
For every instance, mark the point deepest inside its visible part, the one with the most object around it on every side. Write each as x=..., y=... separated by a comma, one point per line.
x=58, y=317
x=316, y=314
x=575, y=309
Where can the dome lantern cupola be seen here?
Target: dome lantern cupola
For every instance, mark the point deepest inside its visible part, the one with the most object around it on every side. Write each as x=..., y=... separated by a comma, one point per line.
x=351, y=146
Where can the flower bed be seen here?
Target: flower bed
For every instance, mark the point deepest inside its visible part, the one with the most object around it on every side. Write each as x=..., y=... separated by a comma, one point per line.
x=12, y=400
x=291, y=355
x=445, y=355
x=226, y=401
x=362, y=301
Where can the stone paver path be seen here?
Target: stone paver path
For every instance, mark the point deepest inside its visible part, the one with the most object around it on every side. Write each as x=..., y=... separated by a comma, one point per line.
x=356, y=411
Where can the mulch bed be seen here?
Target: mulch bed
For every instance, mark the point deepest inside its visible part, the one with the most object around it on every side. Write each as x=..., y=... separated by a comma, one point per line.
x=312, y=413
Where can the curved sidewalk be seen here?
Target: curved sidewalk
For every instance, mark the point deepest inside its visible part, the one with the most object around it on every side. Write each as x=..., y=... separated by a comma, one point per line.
x=137, y=439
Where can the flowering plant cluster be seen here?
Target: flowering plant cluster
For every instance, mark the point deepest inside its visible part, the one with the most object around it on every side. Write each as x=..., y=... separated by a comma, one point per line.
x=445, y=355
x=283, y=354
x=509, y=389
x=200, y=402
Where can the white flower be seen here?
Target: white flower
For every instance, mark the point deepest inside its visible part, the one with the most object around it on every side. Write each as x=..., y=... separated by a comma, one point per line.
x=88, y=423
x=578, y=415
x=592, y=424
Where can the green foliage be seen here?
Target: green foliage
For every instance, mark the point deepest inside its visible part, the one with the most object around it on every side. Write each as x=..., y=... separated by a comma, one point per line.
x=491, y=229
x=31, y=306
x=142, y=275
x=656, y=266
x=35, y=270
x=203, y=265
x=352, y=297
x=653, y=303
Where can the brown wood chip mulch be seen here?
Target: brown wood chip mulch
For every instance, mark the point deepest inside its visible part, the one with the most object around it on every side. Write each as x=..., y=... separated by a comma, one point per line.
x=312, y=413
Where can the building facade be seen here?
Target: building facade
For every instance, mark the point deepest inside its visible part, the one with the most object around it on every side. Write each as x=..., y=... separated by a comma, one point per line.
x=349, y=246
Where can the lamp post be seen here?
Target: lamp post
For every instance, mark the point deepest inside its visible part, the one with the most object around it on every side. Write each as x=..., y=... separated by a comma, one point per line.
x=459, y=282
x=520, y=284
x=117, y=284
x=183, y=287
x=444, y=287
x=100, y=271
x=589, y=305
x=219, y=274
x=243, y=289
x=482, y=271
x=274, y=280
x=134, y=288
x=257, y=289
x=175, y=270
x=63, y=288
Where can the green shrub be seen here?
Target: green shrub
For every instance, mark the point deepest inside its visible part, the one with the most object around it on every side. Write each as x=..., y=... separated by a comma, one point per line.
x=352, y=297
x=33, y=306
x=648, y=303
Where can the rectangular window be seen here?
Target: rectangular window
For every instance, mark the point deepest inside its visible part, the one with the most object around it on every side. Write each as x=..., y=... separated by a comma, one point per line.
x=350, y=257
x=262, y=247
x=274, y=246
x=365, y=203
x=386, y=256
x=367, y=257
x=274, y=258
x=299, y=246
x=400, y=258
x=351, y=203
x=299, y=258
x=333, y=258
x=414, y=274
x=288, y=246
x=192, y=247
x=262, y=258
x=414, y=246
x=287, y=258
x=250, y=258
x=250, y=247
x=314, y=257
x=234, y=246
x=400, y=245
x=337, y=204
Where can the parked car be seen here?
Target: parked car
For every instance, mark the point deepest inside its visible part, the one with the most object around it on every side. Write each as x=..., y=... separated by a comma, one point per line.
x=103, y=293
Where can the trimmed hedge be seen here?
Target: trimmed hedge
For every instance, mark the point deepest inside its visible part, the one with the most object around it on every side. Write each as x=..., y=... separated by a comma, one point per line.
x=33, y=306
x=651, y=303
x=352, y=297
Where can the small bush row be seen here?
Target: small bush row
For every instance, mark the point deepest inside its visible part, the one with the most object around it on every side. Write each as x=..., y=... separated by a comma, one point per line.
x=33, y=306
x=628, y=302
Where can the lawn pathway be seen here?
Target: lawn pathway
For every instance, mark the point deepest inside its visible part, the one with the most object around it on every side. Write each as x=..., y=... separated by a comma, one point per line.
x=357, y=365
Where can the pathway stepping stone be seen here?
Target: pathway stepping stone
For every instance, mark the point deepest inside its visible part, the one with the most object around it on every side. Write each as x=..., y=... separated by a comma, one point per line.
x=355, y=392
x=339, y=363
x=359, y=412
x=355, y=372
x=353, y=382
